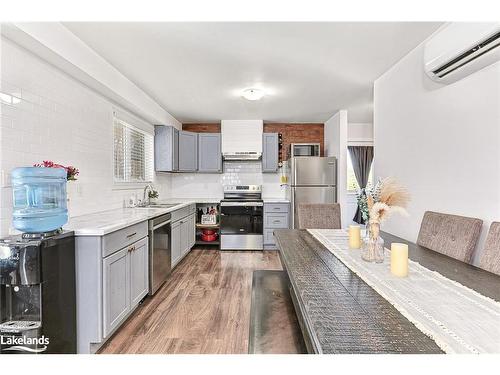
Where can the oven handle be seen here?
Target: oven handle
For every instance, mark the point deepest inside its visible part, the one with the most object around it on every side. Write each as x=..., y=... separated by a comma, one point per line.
x=241, y=204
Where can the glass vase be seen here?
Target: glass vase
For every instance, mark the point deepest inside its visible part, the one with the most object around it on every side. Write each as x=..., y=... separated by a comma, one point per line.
x=373, y=245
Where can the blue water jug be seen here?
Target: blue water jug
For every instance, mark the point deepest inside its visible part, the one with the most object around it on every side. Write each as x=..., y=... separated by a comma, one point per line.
x=39, y=199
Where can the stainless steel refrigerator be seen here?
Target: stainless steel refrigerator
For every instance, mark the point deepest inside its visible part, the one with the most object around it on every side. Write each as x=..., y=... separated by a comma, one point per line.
x=312, y=180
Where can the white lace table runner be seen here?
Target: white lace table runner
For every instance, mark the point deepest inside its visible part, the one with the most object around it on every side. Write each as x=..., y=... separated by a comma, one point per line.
x=457, y=318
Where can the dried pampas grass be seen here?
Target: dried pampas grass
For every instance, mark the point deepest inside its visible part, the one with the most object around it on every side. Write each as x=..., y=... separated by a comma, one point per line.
x=393, y=194
x=392, y=197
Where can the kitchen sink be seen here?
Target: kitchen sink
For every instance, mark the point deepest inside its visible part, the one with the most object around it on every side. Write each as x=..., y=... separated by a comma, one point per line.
x=159, y=205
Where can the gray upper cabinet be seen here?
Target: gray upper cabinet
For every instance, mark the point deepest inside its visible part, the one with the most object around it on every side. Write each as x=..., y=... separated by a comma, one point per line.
x=209, y=152
x=166, y=149
x=188, y=151
x=270, y=152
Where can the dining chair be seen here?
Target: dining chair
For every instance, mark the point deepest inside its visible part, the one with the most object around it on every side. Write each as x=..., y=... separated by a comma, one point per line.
x=490, y=258
x=318, y=216
x=451, y=235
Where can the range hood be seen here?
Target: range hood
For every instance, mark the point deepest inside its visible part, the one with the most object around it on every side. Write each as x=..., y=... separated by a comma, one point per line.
x=250, y=155
x=242, y=139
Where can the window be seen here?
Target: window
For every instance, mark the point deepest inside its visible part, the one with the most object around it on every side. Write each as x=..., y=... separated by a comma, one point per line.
x=352, y=183
x=133, y=154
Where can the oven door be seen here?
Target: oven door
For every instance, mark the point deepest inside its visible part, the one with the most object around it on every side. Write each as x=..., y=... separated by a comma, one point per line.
x=241, y=225
x=241, y=218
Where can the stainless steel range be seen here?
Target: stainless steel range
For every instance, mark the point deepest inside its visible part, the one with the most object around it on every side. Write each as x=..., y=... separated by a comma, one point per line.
x=241, y=223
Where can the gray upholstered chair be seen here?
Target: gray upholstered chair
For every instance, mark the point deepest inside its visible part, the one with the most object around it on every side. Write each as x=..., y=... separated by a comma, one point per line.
x=490, y=258
x=318, y=216
x=451, y=235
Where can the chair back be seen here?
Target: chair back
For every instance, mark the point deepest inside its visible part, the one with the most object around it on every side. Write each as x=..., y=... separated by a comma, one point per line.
x=451, y=235
x=490, y=258
x=318, y=216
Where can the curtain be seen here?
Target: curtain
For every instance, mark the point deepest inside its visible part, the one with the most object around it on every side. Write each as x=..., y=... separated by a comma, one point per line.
x=361, y=157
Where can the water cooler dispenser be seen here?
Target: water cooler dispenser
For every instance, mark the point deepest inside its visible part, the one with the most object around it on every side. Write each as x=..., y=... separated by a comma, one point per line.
x=37, y=294
x=37, y=268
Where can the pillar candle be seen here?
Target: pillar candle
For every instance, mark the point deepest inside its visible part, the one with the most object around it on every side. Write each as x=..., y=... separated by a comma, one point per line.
x=399, y=259
x=354, y=236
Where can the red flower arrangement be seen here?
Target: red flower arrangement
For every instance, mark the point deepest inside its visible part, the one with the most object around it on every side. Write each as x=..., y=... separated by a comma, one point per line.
x=71, y=172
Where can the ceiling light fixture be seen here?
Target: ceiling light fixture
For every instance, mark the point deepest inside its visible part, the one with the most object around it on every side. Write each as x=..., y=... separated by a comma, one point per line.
x=253, y=94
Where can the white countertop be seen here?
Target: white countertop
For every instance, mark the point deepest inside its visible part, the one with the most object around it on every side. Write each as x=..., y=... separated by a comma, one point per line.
x=101, y=223
x=191, y=200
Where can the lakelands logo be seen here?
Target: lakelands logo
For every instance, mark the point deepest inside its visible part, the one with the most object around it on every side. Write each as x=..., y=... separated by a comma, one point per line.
x=24, y=344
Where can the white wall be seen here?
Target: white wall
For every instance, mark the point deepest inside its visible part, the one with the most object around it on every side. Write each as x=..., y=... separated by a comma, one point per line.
x=58, y=119
x=359, y=132
x=55, y=44
x=194, y=185
x=336, y=145
x=441, y=141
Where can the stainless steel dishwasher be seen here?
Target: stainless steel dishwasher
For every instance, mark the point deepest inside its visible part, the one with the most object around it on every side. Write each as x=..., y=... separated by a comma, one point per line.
x=160, y=252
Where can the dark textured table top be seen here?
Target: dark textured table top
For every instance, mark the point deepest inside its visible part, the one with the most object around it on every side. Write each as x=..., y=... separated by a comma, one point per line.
x=343, y=314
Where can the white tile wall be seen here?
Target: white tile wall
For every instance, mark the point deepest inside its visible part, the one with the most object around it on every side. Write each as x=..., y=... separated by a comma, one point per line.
x=57, y=119
x=235, y=173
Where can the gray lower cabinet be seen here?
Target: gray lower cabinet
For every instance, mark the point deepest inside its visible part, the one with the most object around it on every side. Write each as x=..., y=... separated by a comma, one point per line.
x=209, y=152
x=183, y=234
x=125, y=283
x=111, y=279
x=276, y=216
x=176, y=242
x=270, y=150
x=188, y=151
x=139, y=277
x=116, y=291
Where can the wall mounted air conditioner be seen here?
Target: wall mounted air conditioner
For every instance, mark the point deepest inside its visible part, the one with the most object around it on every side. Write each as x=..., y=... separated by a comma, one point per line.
x=460, y=49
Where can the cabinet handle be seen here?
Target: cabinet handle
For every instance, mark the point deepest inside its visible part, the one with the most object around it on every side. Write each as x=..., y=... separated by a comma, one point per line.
x=132, y=235
x=276, y=208
x=276, y=221
x=131, y=248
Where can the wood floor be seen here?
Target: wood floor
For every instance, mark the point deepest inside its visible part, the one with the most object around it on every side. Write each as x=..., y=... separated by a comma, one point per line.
x=203, y=308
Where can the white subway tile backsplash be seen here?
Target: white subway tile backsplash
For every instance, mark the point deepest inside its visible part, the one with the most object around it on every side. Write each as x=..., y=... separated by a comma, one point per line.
x=61, y=120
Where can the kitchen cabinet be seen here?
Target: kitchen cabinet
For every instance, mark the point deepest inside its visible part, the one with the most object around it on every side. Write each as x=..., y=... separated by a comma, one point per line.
x=166, y=149
x=116, y=293
x=270, y=150
x=125, y=283
x=139, y=272
x=276, y=216
x=176, y=242
x=111, y=279
x=183, y=232
x=209, y=152
x=188, y=151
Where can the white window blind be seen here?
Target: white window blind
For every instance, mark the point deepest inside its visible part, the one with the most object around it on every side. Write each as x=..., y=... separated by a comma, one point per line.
x=133, y=153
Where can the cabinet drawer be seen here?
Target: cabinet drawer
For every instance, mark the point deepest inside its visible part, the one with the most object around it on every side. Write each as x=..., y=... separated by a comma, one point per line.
x=121, y=238
x=269, y=237
x=183, y=212
x=276, y=207
x=276, y=221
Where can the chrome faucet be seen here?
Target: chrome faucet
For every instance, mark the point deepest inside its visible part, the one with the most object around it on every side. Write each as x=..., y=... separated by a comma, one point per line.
x=144, y=202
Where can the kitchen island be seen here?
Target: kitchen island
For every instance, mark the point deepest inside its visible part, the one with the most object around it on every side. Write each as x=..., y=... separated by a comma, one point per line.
x=339, y=313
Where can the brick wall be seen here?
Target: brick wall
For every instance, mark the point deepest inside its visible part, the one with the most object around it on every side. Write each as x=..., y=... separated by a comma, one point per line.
x=202, y=128
x=297, y=133
x=292, y=133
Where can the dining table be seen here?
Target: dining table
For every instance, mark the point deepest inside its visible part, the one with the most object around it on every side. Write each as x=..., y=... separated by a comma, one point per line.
x=343, y=310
